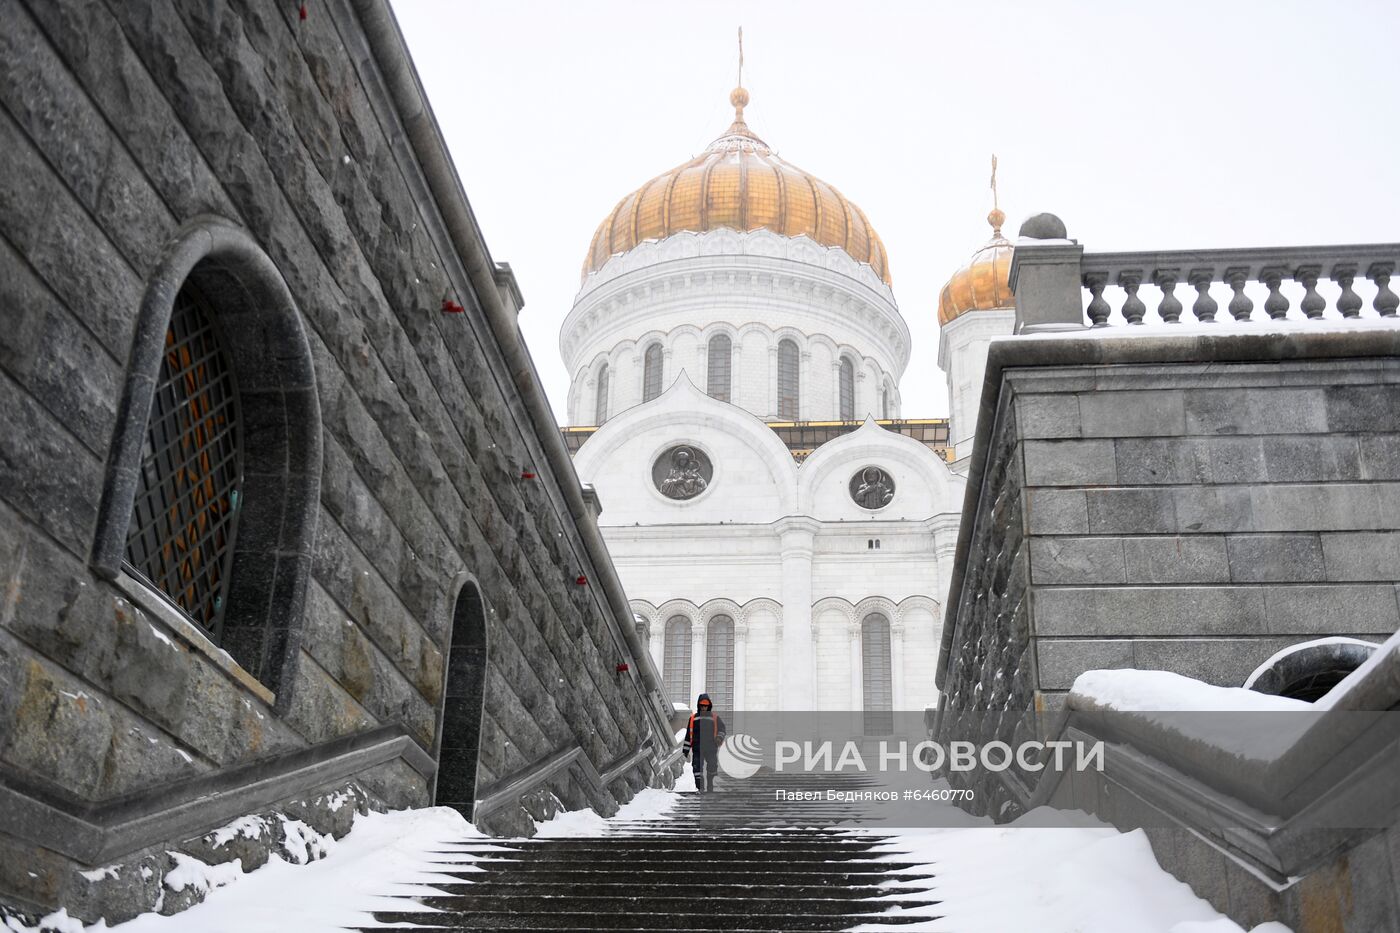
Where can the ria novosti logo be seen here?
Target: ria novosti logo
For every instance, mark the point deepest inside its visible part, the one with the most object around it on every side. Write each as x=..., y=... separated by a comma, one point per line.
x=741, y=756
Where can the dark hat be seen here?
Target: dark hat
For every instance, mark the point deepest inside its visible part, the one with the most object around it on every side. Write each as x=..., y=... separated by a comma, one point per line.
x=703, y=701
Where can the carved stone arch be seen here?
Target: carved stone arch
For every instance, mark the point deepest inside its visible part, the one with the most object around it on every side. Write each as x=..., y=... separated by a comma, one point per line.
x=886, y=607
x=251, y=310
x=720, y=327
x=720, y=607
x=847, y=351
x=679, y=329
x=677, y=607
x=622, y=349
x=837, y=603
x=788, y=332
x=920, y=602
x=755, y=605
x=647, y=611
x=825, y=340
x=647, y=339
x=754, y=327
x=600, y=359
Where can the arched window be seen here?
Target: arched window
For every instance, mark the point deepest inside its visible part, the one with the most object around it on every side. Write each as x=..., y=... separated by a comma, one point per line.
x=848, y=389
x=788, y=380
x=876, y=675
x=719, y=662
x=651, y=373
x=675, y=668
x=186, y=507
x=213, y=488
x=717, y=373
x=600, y=401
x=885, y=403
x=463, y=705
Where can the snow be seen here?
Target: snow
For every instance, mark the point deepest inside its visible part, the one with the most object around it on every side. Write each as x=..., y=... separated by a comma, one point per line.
x=98, y=874
x=338, y=800
x=1171, y=702
x=190, y=872
x=1088, y=878
x=649, y=804
x=250, y=827
x=1163, y=691
x=325, y=896
x=302, y=843
x=58, y=922
x=1291, y=649
x=1220, y=327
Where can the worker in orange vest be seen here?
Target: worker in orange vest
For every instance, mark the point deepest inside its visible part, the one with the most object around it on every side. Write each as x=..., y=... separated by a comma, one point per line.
x=704, y=734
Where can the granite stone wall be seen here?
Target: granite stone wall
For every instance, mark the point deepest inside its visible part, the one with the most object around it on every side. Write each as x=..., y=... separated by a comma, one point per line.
x=123, y=125
x=1198, y=518
x=1188, y=503
x=1189, y=517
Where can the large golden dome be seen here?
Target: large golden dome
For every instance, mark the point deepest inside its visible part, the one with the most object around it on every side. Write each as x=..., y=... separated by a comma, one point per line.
x=739, y=183
x=983, y=283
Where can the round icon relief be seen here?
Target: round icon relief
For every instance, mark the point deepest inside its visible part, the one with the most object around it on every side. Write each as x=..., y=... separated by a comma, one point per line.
x=872, y=488
x=682, y=472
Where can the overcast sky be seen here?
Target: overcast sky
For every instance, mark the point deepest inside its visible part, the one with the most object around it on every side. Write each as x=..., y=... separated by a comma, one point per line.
x=1144, y=126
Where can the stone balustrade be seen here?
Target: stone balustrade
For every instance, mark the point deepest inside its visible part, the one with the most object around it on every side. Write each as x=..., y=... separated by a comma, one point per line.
x=1060, y=287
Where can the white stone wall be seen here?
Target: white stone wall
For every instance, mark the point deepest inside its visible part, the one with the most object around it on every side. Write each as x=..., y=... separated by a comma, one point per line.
x=781, y=547
x=758, y=288
x=962, y=355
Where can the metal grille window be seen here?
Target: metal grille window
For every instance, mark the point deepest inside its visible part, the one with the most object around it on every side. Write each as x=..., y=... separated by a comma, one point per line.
x=600, y=402
x=877, y=675
x=848, y=390
x=186, y=508
x=675, y=669
x=717, y=374
x=788, y=380
x=719, y=662
x=651, y=373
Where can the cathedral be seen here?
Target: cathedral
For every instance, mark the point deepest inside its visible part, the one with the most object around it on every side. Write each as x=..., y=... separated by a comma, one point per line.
x=784, y=531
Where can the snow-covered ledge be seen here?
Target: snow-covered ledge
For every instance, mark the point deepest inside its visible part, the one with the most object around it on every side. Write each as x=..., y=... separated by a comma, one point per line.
x=1252, y=799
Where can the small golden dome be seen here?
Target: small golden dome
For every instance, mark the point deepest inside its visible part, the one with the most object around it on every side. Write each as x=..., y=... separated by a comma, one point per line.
x=983, y=283
x=739, y=183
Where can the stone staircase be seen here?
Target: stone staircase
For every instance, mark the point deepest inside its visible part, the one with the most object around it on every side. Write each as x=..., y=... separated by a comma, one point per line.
x=733, y=860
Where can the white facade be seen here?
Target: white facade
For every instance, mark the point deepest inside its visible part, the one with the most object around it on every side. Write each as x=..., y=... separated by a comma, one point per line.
x=962, y=355
x=758, y=289
x=780, y=548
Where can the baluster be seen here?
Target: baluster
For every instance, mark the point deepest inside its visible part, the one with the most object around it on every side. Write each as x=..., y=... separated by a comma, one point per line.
x=1098, y=308
x=1276, y=305
x=1170, y=308
x=1133, y=307
x=1240, y=306
x=1386, y=300
x=1204, y=307
x=1312, y=304
x=1349, y=302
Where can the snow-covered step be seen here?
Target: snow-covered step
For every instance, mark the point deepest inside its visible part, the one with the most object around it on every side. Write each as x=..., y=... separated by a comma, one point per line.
x=736, y=860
